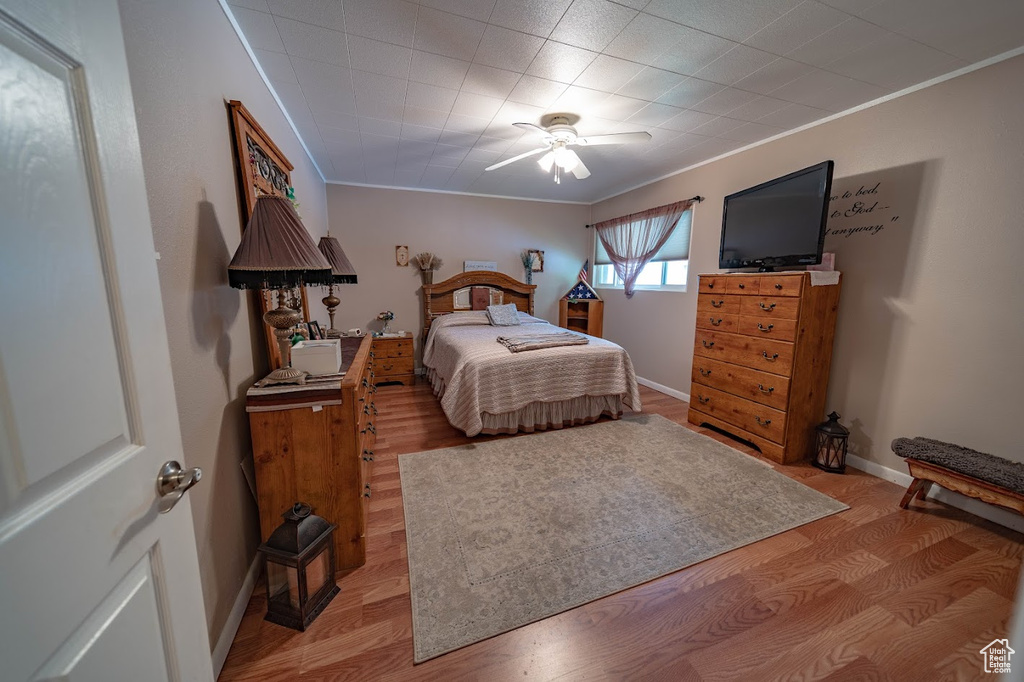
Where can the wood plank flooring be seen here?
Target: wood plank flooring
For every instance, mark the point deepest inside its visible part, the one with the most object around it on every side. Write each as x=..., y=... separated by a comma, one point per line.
x=873, y=593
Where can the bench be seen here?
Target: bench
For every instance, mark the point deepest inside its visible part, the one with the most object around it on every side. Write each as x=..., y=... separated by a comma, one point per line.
x=976, y=474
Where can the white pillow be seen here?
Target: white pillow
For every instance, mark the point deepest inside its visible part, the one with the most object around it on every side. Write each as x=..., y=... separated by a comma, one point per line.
x=503, y=315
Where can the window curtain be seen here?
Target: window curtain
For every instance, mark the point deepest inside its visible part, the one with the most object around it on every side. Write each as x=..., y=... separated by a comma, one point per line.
x=633, y=240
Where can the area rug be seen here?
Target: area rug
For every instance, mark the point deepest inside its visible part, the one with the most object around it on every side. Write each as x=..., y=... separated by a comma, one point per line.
x=507, y=532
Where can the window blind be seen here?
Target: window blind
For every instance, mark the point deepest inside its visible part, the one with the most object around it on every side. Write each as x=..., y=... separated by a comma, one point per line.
x=676, y=248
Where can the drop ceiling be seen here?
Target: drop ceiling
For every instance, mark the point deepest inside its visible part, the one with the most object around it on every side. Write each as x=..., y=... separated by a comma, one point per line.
x=424, y=95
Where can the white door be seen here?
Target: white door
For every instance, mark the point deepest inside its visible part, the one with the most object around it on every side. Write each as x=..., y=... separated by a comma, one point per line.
x=95, y=584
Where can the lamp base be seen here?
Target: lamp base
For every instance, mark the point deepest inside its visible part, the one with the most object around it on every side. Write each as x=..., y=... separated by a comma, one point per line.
x=284, y=375
x=333, y=334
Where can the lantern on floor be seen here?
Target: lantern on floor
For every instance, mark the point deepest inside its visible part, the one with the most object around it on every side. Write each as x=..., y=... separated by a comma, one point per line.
x=299, y=565
x=830, y=440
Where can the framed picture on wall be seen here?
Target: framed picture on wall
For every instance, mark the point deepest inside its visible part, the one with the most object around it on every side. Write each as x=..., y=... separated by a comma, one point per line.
x=538, y=260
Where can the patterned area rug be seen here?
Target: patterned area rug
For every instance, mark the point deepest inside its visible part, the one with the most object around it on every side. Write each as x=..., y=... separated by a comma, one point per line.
x=507, y=532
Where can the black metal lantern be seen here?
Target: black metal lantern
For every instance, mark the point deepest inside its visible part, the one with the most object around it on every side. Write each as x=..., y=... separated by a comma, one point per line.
x=830, y=440
x=299, y=564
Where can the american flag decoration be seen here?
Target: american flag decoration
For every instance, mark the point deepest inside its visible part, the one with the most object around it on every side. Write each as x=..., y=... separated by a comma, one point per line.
x=582, y=290
x=583, y=271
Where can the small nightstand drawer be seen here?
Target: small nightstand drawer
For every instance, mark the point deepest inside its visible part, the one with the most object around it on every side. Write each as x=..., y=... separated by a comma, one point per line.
x=399, y=348
x=388, y=367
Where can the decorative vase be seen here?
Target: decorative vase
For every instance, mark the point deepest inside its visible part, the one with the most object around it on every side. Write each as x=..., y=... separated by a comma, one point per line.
x=428, y=276
x=529, y=275
x=387, y=327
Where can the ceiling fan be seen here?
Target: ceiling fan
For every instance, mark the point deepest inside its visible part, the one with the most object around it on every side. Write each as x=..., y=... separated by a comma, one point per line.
x=559, y=136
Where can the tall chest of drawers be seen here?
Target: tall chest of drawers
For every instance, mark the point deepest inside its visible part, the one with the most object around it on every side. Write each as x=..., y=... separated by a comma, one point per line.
x=761, y=358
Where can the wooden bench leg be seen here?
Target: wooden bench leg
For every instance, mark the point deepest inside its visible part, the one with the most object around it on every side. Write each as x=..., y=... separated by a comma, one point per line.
x=925, y=487
x=916, y=487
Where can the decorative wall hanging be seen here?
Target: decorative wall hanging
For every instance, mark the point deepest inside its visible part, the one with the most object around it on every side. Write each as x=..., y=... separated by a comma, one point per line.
x=402, y=256
x=262, y=169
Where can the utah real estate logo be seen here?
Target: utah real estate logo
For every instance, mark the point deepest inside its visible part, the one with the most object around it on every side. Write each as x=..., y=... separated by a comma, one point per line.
x=997, y=656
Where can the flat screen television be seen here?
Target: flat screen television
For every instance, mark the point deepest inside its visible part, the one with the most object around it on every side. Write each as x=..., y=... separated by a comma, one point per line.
x=779, y=223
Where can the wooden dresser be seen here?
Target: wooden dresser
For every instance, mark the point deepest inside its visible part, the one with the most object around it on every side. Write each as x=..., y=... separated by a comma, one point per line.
x=585, y=315
x=393, y=359
x=761, y=358
x=315, y=445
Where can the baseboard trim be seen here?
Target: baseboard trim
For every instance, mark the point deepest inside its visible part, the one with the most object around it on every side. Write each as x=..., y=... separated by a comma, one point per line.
x=986, y=511
x=227, y=634
x=661, y=388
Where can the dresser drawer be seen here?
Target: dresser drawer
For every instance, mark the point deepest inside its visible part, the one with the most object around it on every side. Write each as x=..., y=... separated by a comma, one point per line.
x=402, y=348
x=753, y=417
x=719, y=303
x=718, y=321
x=761, y=387
x=713, y=284
x=770, y=305
x=766, y=355
x=781, y=285
x=766, y=326
x=387, y=367
x=744, y=286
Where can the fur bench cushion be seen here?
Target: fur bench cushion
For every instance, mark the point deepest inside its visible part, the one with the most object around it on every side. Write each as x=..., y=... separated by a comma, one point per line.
x=985, y=467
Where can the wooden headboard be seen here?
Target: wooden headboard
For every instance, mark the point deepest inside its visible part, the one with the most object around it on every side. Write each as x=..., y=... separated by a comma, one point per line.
x=439, y=299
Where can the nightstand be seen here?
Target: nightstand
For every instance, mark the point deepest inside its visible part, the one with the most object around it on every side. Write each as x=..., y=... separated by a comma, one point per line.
x=393, y=359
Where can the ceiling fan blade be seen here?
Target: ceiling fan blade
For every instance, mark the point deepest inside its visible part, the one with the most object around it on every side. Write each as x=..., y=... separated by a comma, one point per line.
x=613, y=138
x=580, y=171
x=534, y=126
x=516, y=158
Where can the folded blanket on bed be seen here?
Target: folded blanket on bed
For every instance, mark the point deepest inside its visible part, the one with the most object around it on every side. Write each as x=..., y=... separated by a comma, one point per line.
x=521, y=342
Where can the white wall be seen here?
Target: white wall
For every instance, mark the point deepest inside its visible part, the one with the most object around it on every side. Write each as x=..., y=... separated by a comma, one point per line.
x=185, y=62
x=931, y=318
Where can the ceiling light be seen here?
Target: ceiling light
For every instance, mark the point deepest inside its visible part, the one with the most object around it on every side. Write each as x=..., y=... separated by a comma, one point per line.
x=546, y=161
x=566, y=158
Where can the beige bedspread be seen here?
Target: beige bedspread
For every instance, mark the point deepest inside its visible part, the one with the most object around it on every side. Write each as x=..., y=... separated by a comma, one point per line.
x=477, y=374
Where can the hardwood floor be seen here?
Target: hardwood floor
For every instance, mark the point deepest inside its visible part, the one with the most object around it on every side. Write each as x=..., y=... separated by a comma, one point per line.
x=873, y=593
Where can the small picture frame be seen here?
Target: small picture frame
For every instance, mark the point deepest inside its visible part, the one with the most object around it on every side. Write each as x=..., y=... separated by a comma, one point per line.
x=315, y=333
x=402, y=256
x=538, y=260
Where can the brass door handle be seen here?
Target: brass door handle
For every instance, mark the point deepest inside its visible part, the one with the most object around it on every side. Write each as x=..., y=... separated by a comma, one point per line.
x=766, y=307
x=765, y=329
x=173, y=482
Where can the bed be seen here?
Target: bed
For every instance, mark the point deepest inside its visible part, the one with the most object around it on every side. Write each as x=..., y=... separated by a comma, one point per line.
x=485, y=388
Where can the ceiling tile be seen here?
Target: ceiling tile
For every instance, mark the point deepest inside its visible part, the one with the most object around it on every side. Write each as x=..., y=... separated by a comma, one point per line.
x=810, y=87
x=796, y=27
x=755, y=109
x=618, y=108
x=854, y=93
x=607, y=74
x=578, y=100
x=447, y=34
x=418, y=116
x=329, y=101
x=537, y=17
x=492, y=145
x=689, y=92
x=435, y=69
x=380, y=176
x=321, y=75
x=851, y=6
x=406, y=177
x=467, y=124
x=734, y=65
x=513, y=112
x=457, y=139
x=480, y=106
x=420, y=133
x=433, y=97
x=650, y=84
x=313, y=42
x=473, y=9
x=718, y=126
x=894, y=61
x=774, y=75
x=392, y=21
x=486, y=80
x=688, y=120
x=502, y=48
x=654, y=114
x=592, y=24
x=646, y=38
x=724, y=101
x=334, y=133
x=694, y=51
x=258, y=5
x=539, y=92
x=793, y=116
x=276, y=65
x=377, y=57
x=751, y=132
x=326, y=13
x=735, y=19
x=259, y=29
x=378, y=127
x=838, y=42
x=560, y=62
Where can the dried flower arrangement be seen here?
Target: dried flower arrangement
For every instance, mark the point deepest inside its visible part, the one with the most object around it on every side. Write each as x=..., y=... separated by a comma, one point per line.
x=427, y=261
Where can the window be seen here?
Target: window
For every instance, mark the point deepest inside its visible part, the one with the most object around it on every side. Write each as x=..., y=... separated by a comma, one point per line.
x=667, y=272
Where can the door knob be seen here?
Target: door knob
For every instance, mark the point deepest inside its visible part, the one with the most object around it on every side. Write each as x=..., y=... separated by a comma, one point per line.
x=172, y=482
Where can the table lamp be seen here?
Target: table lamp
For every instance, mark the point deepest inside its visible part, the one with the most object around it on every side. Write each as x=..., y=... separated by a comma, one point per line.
x=277, y=253
x=342, y=272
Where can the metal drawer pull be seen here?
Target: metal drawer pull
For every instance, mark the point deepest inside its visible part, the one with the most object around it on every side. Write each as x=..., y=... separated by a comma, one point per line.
x=765, y=329
x=772, y=358
x=703, y=400
x=711, y=285
x=766, y=307
x=763, y=422
x=743, y=286
x=706, y=344
x=704, y=372
x=366, y=409
x=718, y=305
x=767, y=391
x=715, y=323
x=779, y=287
x=373, y=407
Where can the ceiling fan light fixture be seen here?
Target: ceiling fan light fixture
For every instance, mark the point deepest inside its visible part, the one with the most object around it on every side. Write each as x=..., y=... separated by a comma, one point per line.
x=546, y=161
x=566, y=158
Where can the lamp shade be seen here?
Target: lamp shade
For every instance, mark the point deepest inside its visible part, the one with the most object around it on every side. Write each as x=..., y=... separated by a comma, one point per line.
x=342, y=271
x=276, y=251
